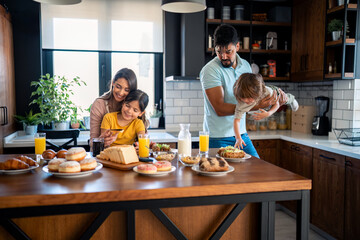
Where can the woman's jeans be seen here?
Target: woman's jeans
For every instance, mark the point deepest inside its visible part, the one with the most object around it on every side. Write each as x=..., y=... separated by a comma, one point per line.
x=230, y=141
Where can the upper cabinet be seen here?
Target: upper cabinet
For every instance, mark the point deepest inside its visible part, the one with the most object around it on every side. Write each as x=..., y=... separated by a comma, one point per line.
x=342, y=37
x=264, y=30
x=308, y=31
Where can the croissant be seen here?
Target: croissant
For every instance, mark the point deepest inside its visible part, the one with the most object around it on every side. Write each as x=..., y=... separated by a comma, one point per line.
x=13, y=164
x=27, y=160
x=49, y=154
x=61, y=153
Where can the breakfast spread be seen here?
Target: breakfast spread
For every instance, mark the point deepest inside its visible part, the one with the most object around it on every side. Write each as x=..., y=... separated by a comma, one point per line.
x=231, y=152
x=212, y=164
x=123, y=154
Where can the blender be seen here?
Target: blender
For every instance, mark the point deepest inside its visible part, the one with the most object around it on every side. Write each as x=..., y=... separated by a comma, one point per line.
x=320, y=125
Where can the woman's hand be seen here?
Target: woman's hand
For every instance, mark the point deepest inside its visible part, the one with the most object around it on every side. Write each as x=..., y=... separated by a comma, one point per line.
x=109, y=137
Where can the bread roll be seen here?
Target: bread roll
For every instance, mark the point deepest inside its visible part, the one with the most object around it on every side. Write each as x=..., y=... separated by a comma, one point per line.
x=69, y=167
x=13, y=164
x=75, y=154
x=212, y=164
x=88, y=164
x=53, y=165
x=61, y=153
x=27, y=160
x=49, y=154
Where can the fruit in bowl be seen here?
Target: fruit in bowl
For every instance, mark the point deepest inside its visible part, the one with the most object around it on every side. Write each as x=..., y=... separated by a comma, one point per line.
x=164, y=156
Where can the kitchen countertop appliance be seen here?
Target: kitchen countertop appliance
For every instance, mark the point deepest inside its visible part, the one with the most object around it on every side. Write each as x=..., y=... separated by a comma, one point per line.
x=320, y=125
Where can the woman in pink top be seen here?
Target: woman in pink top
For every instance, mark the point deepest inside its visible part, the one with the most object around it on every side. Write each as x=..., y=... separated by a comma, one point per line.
x=123, y=82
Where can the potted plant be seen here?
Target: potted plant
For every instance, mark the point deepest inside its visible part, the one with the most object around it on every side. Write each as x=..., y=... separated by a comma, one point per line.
x=155, y=117
x=52, y=95
x=74, y=118
x=334, y=27
x=30, y=122
x=87, y=118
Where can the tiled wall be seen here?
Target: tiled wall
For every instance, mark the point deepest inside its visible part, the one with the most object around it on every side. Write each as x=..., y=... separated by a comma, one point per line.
x=184, y=101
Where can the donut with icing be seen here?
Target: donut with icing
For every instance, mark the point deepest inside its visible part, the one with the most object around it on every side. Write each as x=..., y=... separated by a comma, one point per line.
x=88, y=164
x=147, y=168
x=163, y=165
x=75, y=154
x=69, y=167
x=53, y=165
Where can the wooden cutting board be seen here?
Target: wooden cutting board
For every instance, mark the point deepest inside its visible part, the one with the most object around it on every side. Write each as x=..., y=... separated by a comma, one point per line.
x=125, y=167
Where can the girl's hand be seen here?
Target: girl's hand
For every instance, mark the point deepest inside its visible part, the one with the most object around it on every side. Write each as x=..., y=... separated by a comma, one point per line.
x=260, y=115
x=282, y=97
x=239, y=143
x=109, y=137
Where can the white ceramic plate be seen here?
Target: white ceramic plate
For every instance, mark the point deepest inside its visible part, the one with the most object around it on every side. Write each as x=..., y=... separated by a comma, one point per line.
x=73, y=175
x=247, y=156
x=18, y=171
x=211, y=174
x=157, y=174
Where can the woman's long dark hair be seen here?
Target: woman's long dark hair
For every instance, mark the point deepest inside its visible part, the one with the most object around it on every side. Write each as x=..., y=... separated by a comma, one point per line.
x=143, y=99
x=130, y=77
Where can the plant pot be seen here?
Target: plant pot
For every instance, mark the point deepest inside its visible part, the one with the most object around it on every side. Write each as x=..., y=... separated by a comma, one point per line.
x=336, y=35
x=60, y=125
x=75, y=125
x=87, y=122
x=31, y=129
x=154, y=122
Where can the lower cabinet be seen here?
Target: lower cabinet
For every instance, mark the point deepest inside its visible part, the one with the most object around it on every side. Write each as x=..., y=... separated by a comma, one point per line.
x=327, y=195
x=267, y=150
x=297, y=159
x=352, y=198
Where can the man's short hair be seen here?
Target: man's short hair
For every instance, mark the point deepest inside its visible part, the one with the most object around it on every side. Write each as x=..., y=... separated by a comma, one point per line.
x=224, y=35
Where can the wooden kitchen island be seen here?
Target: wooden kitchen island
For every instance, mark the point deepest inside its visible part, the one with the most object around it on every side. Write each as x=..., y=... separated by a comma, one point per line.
x=113, y=204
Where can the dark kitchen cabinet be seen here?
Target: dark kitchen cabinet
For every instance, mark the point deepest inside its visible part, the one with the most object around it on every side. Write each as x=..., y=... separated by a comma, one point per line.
x=267, y=150
x=352, y=198
x=7, y=77
x=308, y=31
x=257, y=32
x=297, y=159
x=327, y=195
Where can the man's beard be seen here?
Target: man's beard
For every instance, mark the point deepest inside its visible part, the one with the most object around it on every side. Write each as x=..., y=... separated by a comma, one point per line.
x=227, y=63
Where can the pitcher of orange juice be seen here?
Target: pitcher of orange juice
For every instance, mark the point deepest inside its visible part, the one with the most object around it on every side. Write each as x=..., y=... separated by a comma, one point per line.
x=144, y=145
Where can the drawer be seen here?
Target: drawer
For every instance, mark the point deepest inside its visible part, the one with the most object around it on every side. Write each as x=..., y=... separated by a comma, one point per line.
x=271, y=143
x=329, y=157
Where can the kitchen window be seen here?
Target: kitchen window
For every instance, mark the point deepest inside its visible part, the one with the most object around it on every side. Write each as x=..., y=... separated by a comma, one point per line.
x=94, y=39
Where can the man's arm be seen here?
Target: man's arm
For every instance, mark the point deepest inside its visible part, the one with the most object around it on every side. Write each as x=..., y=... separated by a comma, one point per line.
x=215, y=96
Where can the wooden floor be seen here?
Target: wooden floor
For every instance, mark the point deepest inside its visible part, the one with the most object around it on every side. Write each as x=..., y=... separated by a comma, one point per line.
x=285, y=227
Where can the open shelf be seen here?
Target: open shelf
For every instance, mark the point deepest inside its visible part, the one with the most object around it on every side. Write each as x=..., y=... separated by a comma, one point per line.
x=339, y=42
x=276, y=78
x=271, y=51
x=246, y=22
x=333, y=75
x=340, y=8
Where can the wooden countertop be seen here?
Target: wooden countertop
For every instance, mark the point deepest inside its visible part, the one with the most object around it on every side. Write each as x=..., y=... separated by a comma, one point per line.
x=37, y=188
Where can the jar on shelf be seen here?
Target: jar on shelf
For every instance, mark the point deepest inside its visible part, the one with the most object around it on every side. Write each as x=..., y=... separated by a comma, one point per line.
x=251, y=124
x=263, y=125
x=272, y=125
x=282, y=121
x=264, y=70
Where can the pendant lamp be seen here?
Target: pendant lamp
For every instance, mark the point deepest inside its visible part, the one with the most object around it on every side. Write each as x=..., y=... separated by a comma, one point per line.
x=183, y=6
x=59, y=2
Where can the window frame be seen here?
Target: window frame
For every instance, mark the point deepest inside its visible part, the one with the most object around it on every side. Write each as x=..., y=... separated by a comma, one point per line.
x=105, y=71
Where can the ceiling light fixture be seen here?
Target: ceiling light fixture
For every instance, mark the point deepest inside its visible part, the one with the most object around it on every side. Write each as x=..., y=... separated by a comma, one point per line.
x=59, y=2
x=183, y=6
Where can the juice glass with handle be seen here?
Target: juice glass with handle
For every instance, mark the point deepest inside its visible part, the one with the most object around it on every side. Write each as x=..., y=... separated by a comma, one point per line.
x=144, y=145
x=204, y=143
x=40, y=144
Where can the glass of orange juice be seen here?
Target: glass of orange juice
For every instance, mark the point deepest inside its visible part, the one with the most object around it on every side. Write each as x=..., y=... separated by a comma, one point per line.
x=40, y=144
x=204, y=143
x=144, y=145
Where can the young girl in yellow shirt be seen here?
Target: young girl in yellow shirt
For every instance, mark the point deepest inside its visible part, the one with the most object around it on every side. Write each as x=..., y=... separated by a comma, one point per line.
x=131, y=118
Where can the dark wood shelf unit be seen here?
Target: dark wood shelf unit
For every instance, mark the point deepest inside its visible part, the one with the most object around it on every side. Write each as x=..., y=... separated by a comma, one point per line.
x=280, y=51
x=333, y=75
x=339, y=42
x=276, y=78
x=350, y=6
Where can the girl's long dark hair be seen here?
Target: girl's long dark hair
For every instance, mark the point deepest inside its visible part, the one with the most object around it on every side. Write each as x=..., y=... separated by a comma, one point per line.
x=143, y=99
x=130, y=77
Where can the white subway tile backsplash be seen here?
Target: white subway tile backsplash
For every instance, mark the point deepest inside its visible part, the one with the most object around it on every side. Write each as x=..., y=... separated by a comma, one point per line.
x=189, y=94
x=169, y=119
x=355, y=124
x=173, y=94
x=343, y=104
x=196, y=102
x=348, y=94
x=169, y=85
x=345, y=84
x=182, y=85
x=181, y=119
x=357, y=84
x=357, y=115
x=195, y=85
x=357, y=105
x=357, y=94
x=169, y=102
x=180, y=102
x=341, y=124
x=173, y=110
x=197, y=118
x=337, y=114
x=189, y=110
x=338, y=94
x=348, y=115
x=200, y=110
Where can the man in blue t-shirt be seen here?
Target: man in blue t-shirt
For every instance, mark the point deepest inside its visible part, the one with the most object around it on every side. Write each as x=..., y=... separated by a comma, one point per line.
x=217, y=80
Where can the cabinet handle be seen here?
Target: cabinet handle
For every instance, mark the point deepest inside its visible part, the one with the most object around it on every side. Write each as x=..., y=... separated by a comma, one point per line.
x=306, y=61
x=293, y=147
x=297, y=149
x=301, y=62
x=348, y=163
x=328, y=158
